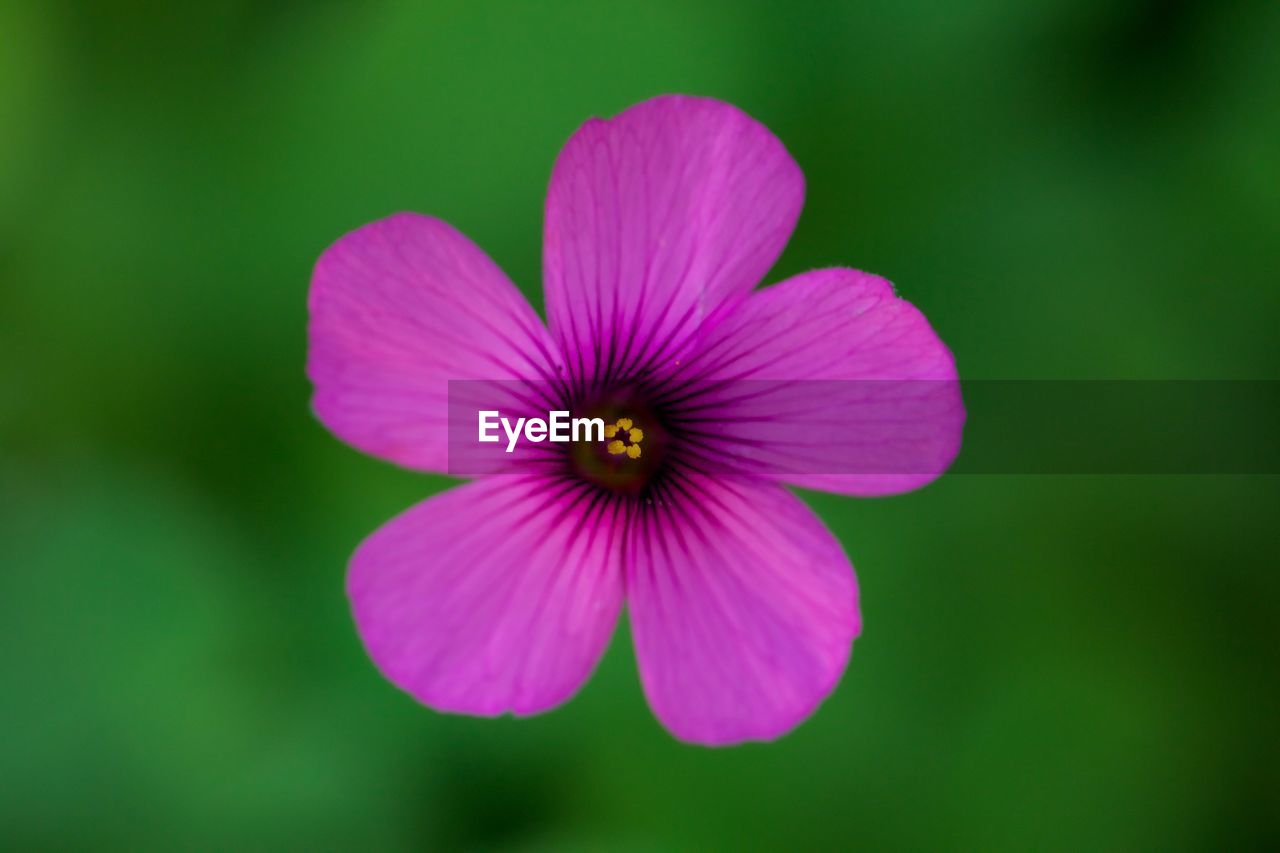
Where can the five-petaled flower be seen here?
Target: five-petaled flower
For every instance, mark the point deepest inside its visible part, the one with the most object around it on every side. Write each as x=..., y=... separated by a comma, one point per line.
x=500, y=595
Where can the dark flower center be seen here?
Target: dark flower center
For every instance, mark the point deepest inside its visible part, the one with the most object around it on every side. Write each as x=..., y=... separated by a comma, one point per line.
x=637, y=440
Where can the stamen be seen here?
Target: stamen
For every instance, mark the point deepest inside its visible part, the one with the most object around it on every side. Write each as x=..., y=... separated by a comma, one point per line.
x=634, y=435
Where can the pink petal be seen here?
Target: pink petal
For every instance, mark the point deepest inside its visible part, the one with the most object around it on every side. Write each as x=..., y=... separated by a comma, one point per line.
x=498, y=595
x=743, y=609
x=653, y=218
x=826, y=380
x=398, y=309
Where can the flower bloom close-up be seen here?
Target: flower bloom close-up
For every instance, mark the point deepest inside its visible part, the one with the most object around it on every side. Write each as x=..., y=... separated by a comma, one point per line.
x=501, y=594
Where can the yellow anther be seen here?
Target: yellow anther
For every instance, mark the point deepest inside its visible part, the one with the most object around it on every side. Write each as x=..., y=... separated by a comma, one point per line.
x=624, y=428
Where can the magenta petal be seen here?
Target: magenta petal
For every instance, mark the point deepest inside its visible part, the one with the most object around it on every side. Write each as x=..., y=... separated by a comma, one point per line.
x=826, y=380
x=743, y=609
x=654, y=217
x=399, y=308
x=498, y=595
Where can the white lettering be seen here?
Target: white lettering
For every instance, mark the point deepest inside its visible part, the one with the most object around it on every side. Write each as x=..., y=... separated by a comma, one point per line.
x=487, y=423
x=589, y=425
x=559, y=426
x=512, y=434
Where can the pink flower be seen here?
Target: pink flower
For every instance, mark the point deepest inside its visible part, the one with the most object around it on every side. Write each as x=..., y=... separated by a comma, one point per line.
x=501, y=594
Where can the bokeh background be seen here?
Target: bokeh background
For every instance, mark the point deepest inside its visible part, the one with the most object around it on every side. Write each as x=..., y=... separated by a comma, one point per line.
x=1067, y=189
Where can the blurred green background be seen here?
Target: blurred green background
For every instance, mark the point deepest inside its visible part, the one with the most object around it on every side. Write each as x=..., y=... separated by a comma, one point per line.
x=1067, y=189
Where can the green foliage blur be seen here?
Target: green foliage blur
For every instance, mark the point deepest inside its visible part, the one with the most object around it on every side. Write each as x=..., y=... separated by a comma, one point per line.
x=1067, y=189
